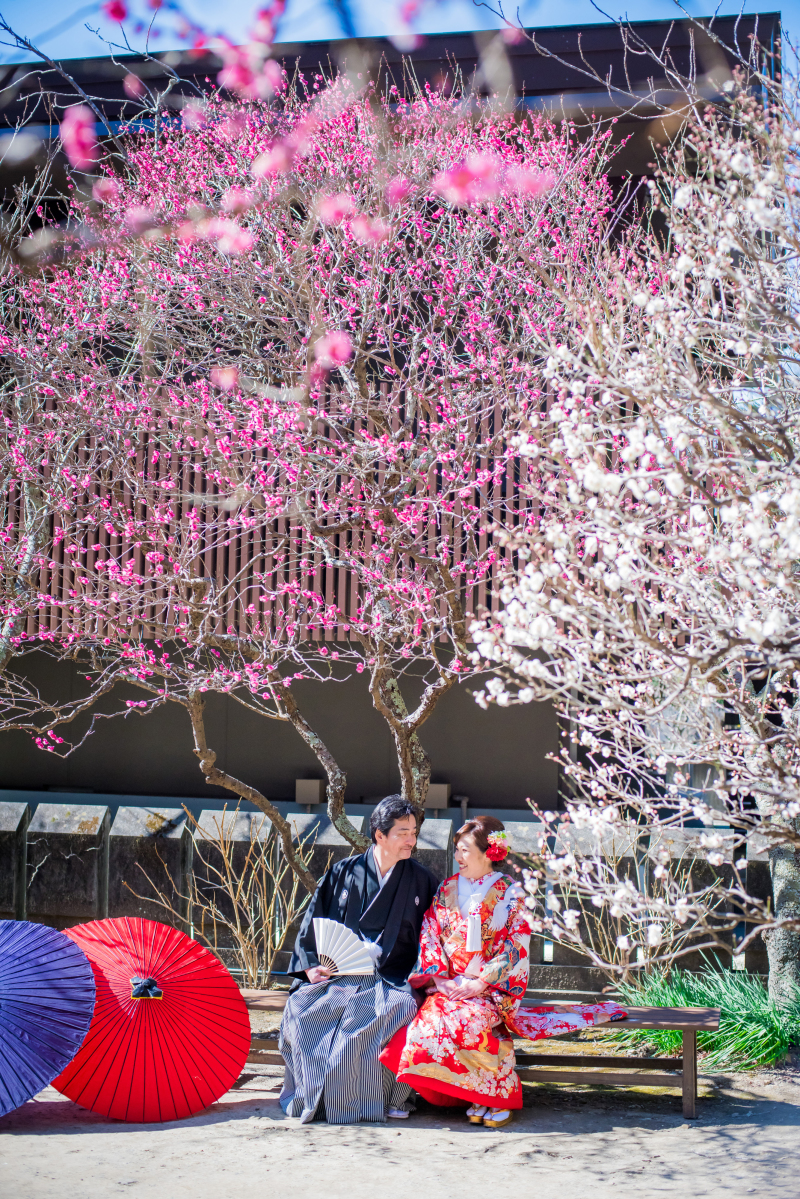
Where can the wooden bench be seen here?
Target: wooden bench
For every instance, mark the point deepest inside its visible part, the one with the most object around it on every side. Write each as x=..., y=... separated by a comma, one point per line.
x=572, y=1067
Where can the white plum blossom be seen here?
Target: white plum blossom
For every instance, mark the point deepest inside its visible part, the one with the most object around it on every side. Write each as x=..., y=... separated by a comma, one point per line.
x=657, y=600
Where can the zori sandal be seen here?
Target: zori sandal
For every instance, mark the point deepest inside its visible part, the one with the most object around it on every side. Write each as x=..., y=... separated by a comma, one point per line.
x=476, y=1113
x=497, y=1119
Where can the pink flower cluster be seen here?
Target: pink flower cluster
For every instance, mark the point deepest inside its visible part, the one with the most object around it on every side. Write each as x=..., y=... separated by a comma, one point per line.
x=78, y=137
x=320, y=374
x=483, y=177
x=248, y=74
x=248, y=70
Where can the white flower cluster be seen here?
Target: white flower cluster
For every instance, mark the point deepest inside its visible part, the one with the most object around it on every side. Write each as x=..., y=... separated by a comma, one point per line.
x=658, y=601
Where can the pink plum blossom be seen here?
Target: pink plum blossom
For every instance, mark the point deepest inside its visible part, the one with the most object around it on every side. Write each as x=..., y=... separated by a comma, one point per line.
x=230, y=237
x=115, y=10
x=526, y=182
x=237, y=74
x=398, y=189
x=233, y=126
x=225, y=377
x=442, y=320
x=334, y=349
x=273, y=77
x=266, y=22
x=237, y=200
x=301, y=137
x=469, y=181
x=264, y=28
x=369, y=232
x=78, y=137
x=275, y=161
x=333, y=209
x=133, y=87
x=138, y=218
x=105, y=190
x=246, y=72
x=194, y=116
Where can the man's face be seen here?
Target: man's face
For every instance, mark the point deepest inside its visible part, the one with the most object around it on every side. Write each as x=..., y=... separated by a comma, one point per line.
x=400, y=840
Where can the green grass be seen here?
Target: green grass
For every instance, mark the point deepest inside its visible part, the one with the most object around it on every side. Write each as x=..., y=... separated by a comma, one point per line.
x=752, y=1030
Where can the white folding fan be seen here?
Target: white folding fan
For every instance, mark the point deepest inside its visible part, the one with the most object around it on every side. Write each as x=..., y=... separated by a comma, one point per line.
x=341, y=951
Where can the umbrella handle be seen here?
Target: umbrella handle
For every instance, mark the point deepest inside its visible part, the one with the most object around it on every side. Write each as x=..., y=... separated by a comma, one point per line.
x=145, y=988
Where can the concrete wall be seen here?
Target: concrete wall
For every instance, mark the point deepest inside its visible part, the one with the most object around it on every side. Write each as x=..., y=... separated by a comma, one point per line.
x=497, y=758
x=67, y=864
x=14, y=820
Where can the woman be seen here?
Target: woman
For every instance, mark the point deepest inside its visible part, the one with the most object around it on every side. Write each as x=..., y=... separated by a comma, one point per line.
x=473, y=964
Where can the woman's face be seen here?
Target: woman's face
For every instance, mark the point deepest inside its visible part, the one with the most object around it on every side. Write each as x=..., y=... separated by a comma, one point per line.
x=472, y=862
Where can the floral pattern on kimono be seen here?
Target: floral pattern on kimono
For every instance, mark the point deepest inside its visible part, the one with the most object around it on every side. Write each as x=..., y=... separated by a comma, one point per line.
x=460, y=1048
x=537, y=1022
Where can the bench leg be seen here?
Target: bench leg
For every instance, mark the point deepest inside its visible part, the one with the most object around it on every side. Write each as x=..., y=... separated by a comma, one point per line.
x=690, y=1075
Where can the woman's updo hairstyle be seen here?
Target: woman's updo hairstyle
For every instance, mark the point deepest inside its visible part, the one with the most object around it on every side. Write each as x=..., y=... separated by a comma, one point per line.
x=481, y=828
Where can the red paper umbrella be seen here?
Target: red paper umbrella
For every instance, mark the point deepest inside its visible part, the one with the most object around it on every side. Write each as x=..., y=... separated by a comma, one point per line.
x=170, y=1031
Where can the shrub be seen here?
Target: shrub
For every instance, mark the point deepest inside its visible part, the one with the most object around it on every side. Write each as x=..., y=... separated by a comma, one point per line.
x=753, y=1031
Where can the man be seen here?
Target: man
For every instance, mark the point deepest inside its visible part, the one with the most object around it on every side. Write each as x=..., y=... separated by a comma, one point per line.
x=333, y=1029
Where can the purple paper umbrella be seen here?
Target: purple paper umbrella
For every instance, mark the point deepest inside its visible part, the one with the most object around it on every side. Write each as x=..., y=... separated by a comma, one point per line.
x=46, y=1006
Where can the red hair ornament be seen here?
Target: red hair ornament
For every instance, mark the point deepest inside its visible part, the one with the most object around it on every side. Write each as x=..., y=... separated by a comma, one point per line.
x=498, y=846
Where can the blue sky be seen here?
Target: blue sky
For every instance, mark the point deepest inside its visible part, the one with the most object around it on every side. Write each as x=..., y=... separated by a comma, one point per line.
x=60, y=28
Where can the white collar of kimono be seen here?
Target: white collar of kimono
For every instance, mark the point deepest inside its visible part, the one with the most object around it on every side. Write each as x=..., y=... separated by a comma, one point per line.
x=475, y=888
x=471, y=894
x=382, y=878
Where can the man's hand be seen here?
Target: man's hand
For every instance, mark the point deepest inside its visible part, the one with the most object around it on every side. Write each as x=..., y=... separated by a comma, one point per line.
x=318, y=974
x=460, y=987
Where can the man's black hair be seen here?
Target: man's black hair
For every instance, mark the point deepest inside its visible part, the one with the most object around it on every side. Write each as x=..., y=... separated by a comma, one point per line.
x=387, y=812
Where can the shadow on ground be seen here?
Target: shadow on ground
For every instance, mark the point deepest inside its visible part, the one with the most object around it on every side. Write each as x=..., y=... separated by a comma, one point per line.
x=564, y=1141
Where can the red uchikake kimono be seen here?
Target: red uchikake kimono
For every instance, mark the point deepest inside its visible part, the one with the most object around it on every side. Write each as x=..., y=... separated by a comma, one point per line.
x=461, y=1049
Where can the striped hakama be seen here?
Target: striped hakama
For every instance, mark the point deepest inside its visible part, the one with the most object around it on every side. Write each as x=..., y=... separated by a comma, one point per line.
x=331, y=1036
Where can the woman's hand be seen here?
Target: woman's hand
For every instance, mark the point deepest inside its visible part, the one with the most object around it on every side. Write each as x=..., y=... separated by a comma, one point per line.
x=460, y=987
x=467, y=988
x=318, y=974
x=445, y=986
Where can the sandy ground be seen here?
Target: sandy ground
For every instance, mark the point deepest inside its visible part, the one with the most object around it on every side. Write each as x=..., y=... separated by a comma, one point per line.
x=565, y=1144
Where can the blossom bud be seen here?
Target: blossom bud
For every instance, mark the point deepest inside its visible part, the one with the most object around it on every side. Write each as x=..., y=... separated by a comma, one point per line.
x=133, y=87
x=115, y=10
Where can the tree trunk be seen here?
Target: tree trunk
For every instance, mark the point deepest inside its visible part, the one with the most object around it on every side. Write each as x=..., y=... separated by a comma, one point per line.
x=783, y=944
x=337, y=779
x=412, y=761
x=220, y=778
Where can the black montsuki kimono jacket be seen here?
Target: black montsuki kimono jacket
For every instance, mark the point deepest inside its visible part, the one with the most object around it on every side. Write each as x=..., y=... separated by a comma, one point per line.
x=349, y=892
